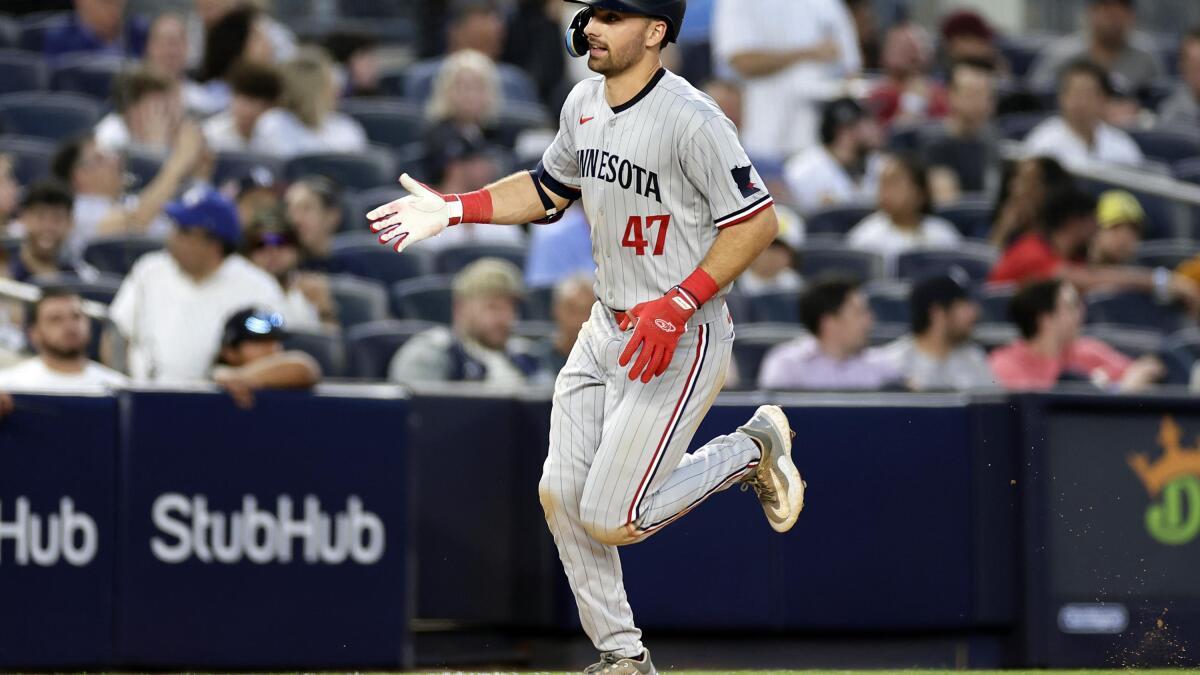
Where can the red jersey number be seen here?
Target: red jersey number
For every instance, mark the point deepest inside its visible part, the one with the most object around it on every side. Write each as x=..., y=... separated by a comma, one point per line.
x=636, y=234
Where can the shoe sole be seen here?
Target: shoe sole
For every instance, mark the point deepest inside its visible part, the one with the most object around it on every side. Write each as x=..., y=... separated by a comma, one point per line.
x=785, y=466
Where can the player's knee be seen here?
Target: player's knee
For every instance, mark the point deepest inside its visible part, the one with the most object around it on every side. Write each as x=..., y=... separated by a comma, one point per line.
x=607, y=531
x=551, y=495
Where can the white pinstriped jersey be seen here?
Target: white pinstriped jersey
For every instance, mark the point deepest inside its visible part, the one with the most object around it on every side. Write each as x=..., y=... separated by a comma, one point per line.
x=658, y=176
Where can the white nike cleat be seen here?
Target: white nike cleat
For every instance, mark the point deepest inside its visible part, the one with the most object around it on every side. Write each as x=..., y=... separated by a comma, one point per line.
x=776, y=481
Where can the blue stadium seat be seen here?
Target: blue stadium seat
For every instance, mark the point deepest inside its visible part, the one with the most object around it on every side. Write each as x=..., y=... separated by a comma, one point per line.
x=116, y=255
x=883, y=332
x=912, y=138
x=1188, y=170
x=972, y=217
x=10, y=33
x=358, y=300
x=991, y=335
x=836, y=220
x=322, y=345
x=1180, y=351
x=779, y=307
x=370, y=346
x=142, y=166
x=815, y=259
x=32, y=156
x=1016, y=126
x=1132, y=342
x=102, y=289
x=1159, y=210
x=56, y=116
x=1167, y=252
x=363, y=256
x=34, y=26
x=89, y=74
x=235, y=165
x=389, y=121
x=22, y=71
x=975, y=259
x=517, y=116
x=515, y=84
x=752, y=344
x=427, y=298
x=534, y=331
x=993, y=302
x=1133, y=309
x=1168, y=145
x=354, y=170
x=538, y=303
x=1022, y=50
x=889, y=301
x=451, y=259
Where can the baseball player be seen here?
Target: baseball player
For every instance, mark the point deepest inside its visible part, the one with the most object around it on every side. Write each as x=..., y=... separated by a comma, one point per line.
x=677, y=213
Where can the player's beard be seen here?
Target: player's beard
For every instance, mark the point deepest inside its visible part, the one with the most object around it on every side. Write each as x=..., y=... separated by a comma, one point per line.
x=616, y=61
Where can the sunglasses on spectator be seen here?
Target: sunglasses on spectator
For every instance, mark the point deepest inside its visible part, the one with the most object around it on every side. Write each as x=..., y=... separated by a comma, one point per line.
x=272, y=240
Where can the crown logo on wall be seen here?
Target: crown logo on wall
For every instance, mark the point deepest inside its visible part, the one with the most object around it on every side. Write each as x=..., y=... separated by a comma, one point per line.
x=1176, y=461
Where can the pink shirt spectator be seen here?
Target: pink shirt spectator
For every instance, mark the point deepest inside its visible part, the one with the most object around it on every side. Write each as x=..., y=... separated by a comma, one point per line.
x=1018, y=366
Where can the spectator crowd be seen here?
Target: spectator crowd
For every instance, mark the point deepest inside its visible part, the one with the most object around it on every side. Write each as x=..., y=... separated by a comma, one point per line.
x=961, y=207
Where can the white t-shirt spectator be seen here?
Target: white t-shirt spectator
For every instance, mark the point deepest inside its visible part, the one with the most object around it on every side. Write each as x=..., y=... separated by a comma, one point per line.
x=221, y=134
x=280, y=133
x=878, y=233
x=34, y=374
x=816, y=180
x=780, y=110
x=1055, y=139
x=173, y=324
x=301, y=314
x=964, y=368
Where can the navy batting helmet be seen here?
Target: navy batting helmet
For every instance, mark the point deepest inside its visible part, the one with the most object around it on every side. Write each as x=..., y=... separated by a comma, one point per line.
x=670, y=11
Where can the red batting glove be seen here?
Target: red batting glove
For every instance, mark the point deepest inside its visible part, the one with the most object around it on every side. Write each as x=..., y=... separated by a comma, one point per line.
x=657, y=327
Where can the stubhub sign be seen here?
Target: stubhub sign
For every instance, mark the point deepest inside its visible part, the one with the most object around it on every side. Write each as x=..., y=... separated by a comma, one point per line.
x=188, y=528
x=44, y=540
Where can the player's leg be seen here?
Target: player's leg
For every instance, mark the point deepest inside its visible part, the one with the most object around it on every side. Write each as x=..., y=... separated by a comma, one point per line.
x=593, y=569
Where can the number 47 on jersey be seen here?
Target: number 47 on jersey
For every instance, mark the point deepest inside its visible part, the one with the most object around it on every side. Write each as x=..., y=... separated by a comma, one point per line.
x=636, y=233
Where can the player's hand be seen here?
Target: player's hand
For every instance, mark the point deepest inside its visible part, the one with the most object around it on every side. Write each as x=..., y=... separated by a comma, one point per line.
x=657, y=327
x=405, y=221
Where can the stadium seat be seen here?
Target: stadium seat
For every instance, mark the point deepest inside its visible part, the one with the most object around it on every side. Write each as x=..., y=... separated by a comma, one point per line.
x=889, y=301
x=31, y=155
x=516, y=116
x=1159, y=210
x=515, y=84
x=911, y=138
x=1188, y=170
x=235, y=165
x=1133, y=342
x=389, y=121
x=10, y=33
x=22, y=71
x=1167, y=252
x=538, y=303
x=534, y=330
x=815, y=259
x=780, y=307
x=1179, y=352
x=972, y=217
x=836, y=220
x=56, y=116
x=116, y=255
x=358, y=204
x=88, y=74
x=1168, y=145
x=883, y=332
x=426, y=298
x=451, y=259
x=34, y=26
x=369, y=347
x=102, y=289
x=143, y=166
x=1135, y=310
x=993, y=302
x=992, y=335
x=973, y=258
x=323, y=346
x=1016, y=126
x=354, y=170
x=752, y=344
x=363, y=256
x=1021, y=50
x=358, y=300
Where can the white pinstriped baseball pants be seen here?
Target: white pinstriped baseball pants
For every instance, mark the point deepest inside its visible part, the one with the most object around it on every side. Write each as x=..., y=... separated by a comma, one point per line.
x=618, y=468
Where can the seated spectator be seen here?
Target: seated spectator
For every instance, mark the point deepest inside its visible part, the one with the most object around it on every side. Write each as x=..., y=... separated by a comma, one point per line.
x=208, y=15
x=269, y=242
x=1122, y=222
x=479, y=346
x=467, y=164
x=10, y=192
x=59, y=333
x=307, y=120
x=1079, y=136
x=46, y=217
x=255, y=192
x=773, y=271
x=965, y=155
x=560, y=250
x=238, y=36
x=573, y=300
x=1022, y=199
x=967, y=36
x=908, y=94
x=844, y=167
x=97, y=178
x=166, y=54
x=314, y=208
x=835, y=356
x=256, y=88
x=476, y=25
x=172, y=306
x=1109, y=41
x=465, y=102
x=903, y=221
x=149, y=110
x=1049, y=315
x=1060, y=250
x=866, y=27
x=97, y=27
x=251, y=357
x=358, y=56
x=939, y=353
x=1182, y=109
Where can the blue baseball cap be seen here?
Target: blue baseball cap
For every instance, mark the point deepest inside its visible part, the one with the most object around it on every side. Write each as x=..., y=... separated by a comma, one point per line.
x=207, y=209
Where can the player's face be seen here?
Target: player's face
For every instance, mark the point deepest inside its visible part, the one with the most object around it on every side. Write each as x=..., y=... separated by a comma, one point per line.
x=487, y=319
x=62, y=330
x=617, y=40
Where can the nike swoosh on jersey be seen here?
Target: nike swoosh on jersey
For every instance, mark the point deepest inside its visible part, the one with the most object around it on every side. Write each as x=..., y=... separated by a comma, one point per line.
x=585, y=120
